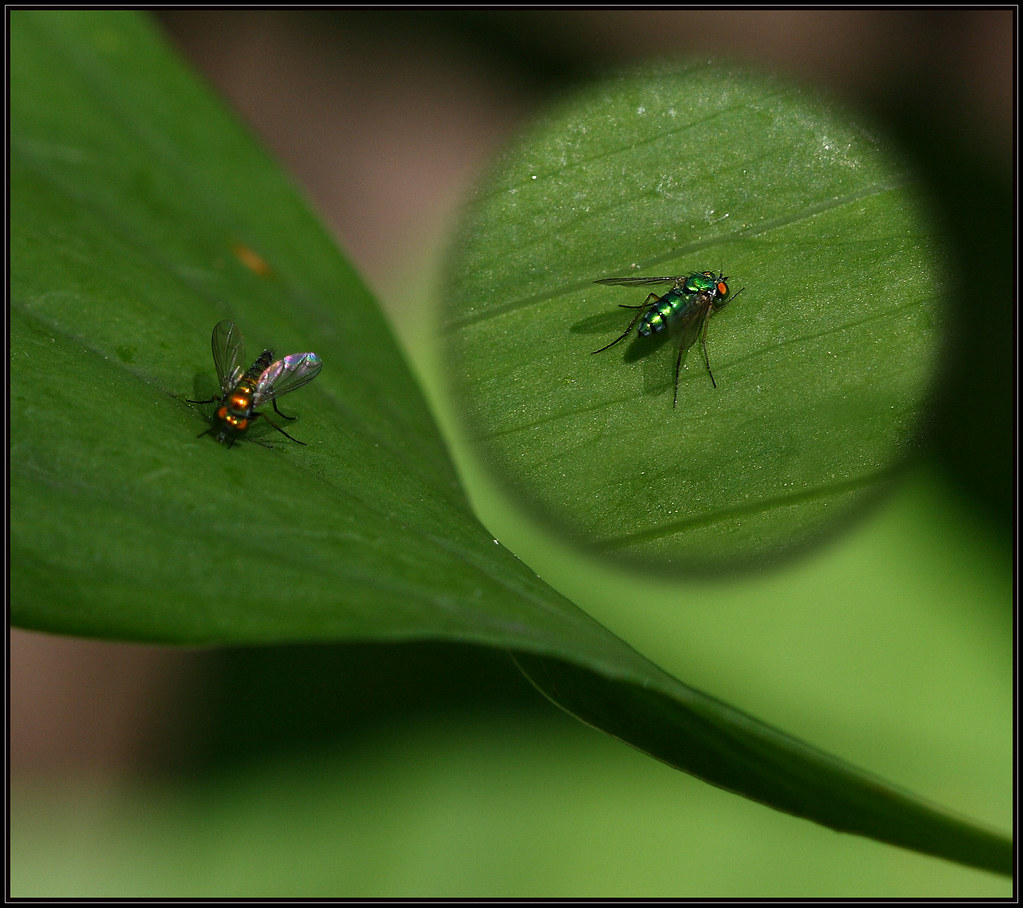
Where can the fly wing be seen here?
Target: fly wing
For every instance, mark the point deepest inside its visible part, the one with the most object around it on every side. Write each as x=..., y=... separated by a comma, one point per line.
x=637, y=280
x=690, y=323
x=228, y=354
x=286, y=375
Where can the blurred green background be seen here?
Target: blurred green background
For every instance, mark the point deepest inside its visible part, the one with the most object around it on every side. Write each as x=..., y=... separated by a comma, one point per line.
x=437, y=771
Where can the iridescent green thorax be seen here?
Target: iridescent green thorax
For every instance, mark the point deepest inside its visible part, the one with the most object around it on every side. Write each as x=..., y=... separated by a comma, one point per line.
x=698, y=282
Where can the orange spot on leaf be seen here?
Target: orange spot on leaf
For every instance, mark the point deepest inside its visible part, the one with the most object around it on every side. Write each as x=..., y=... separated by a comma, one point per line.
x=251, y=260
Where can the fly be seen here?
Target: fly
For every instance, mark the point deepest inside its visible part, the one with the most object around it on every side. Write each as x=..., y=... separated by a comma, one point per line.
x=265, y=381
x=689, y=304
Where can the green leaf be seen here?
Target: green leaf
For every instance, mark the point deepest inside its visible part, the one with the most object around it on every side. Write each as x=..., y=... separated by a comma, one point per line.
x=822, y=364
x=141, y=215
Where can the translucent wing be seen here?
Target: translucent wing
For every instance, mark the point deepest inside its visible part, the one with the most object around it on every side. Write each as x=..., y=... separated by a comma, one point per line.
x=689, y=324
x=286, y=375
x=228, y=354
x=639, y=280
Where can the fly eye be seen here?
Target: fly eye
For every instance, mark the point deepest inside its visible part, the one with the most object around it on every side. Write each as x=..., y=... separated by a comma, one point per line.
x=722, y=288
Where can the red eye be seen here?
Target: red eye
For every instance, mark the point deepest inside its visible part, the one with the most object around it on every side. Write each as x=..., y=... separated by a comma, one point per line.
x=722, y=288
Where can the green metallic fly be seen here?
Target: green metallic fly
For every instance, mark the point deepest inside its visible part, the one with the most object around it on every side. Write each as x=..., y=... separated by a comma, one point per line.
x=689, y=304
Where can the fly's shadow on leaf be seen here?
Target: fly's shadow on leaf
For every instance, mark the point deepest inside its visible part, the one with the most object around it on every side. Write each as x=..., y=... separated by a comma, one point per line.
x=205, y=386
x=604, y=323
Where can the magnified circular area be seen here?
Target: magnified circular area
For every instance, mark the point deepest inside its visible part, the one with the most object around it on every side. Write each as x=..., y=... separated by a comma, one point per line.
x=693, y=318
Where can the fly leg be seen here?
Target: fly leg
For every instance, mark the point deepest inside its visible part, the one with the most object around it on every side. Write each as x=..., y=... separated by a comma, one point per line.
x=703, y=344
x=279, y=413
x=703, y=336
x=687, y=341
x=209, y=431
x=277, y=427
x=678, y=365
x=650, y=300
